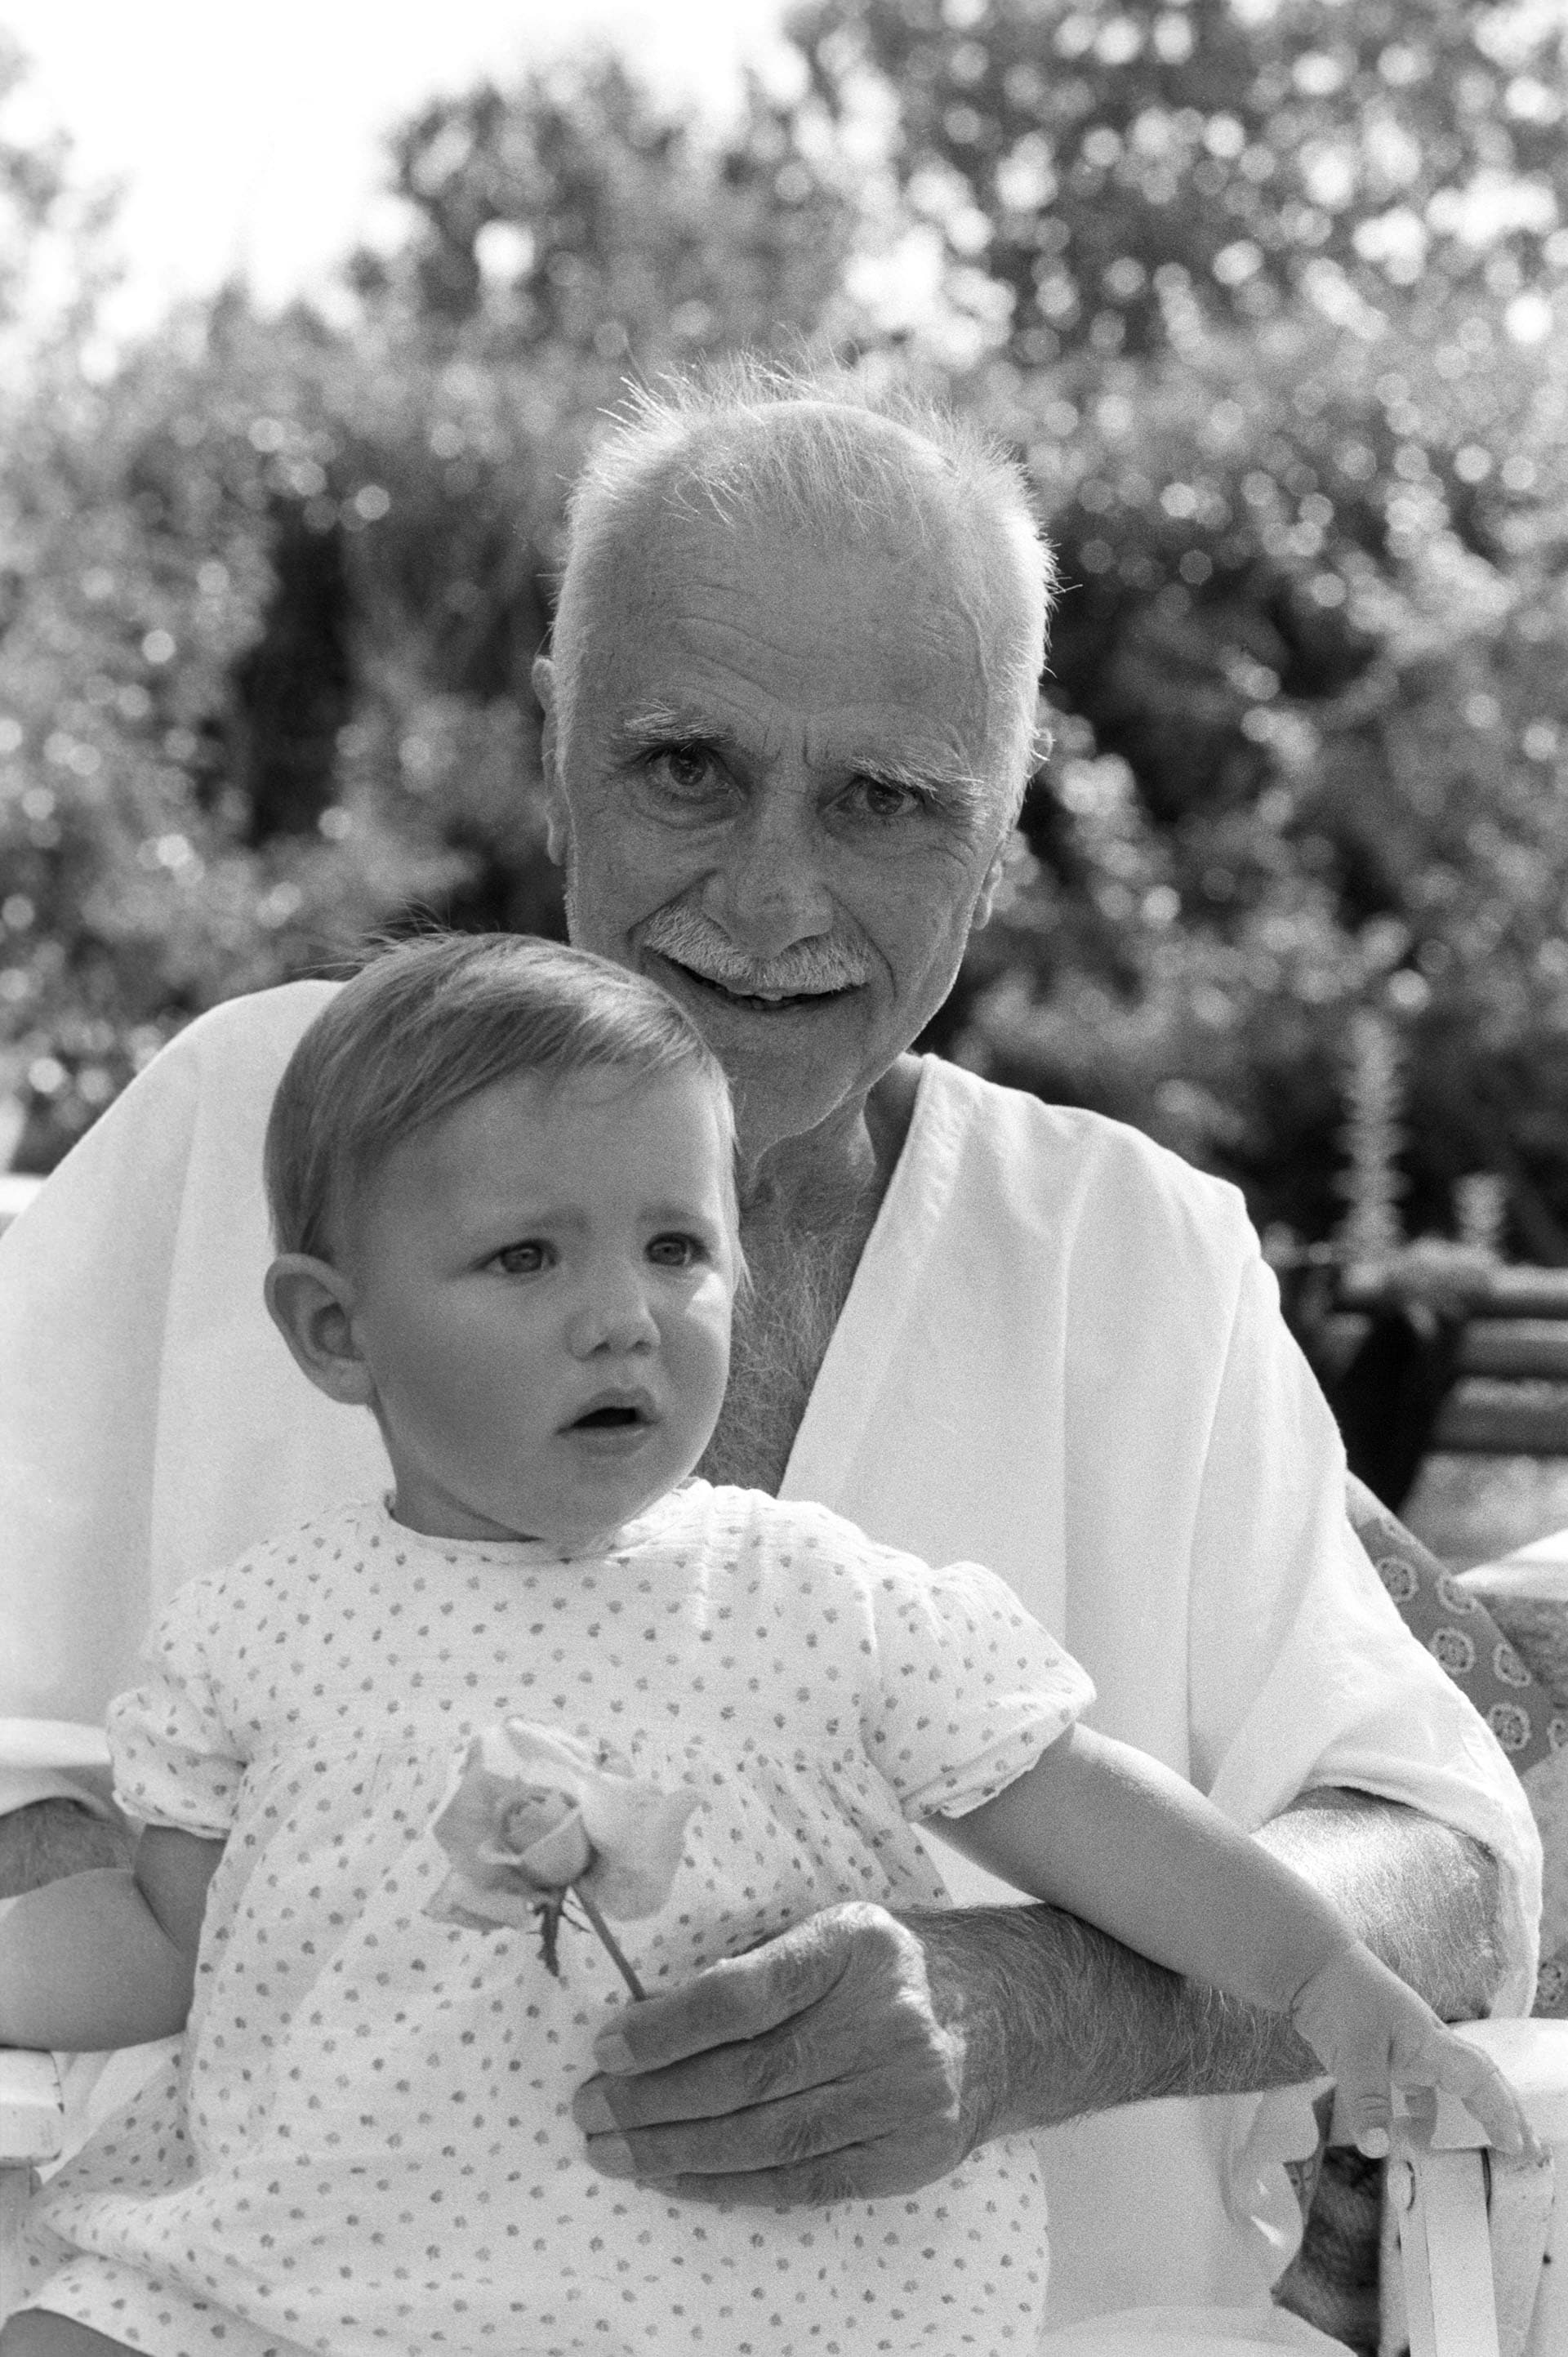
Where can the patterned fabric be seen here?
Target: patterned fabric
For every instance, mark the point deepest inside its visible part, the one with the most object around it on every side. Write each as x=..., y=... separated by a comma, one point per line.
x=1461, y=1634
x=372, y=2097
x=1463, y=1638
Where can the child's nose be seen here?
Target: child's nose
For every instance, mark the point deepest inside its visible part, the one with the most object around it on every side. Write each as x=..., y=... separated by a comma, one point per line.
x=613, y=1316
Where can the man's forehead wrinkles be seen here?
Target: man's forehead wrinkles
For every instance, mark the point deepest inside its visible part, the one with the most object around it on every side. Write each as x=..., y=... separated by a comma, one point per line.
x=780, y=687
x=745, y=643
x=922, y=614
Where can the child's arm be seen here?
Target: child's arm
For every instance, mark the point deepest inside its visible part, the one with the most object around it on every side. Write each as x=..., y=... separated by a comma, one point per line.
x=107, y=1958
x=1109, y=1835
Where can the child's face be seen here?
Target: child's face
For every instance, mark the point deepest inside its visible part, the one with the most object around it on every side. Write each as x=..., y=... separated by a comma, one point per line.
x=541, y=1284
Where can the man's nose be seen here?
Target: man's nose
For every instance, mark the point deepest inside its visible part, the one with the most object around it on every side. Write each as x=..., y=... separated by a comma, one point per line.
x=768, y=890
x=612, y=1316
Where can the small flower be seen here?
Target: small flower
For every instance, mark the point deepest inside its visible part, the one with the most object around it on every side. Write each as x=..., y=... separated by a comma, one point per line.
x=533, y=1815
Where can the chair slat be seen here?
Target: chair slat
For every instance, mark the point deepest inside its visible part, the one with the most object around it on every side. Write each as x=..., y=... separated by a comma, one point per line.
x=30, y=2116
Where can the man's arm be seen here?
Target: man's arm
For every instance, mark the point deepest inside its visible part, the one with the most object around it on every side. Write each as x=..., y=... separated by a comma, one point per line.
x=1102, y=1830
x=45, y=1839
x=861, y=2054
x=1423, y=1897
x=1073, y=2022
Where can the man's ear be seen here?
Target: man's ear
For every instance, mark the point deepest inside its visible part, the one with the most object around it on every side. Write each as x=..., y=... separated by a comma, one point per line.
x=1040, y=745
x=311, y=1305
x=991, y=882
x=555, y=830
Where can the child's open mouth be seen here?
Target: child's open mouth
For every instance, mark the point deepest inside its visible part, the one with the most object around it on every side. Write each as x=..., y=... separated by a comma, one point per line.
x=615, y=1421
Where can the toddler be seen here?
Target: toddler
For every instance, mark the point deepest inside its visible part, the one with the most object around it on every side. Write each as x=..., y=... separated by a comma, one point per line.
x=369, y=1759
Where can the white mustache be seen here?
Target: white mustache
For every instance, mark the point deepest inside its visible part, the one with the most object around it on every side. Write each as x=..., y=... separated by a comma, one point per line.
x=806, y=969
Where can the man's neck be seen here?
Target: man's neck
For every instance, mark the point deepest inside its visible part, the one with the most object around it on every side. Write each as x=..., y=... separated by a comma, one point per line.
x=805, y=1219
x=832, y=1179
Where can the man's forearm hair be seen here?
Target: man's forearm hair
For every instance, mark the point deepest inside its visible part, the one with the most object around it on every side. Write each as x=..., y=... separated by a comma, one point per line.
x=1058, y=2019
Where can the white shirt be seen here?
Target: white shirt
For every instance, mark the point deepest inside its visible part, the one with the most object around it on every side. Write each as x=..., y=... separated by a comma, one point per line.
x=1061, y=1356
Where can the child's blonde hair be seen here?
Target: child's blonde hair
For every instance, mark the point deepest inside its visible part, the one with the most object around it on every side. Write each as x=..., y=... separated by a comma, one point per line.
x=431, y=1021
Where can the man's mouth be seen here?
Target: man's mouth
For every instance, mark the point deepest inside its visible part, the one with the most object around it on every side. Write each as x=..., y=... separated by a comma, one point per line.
x=758, y=1001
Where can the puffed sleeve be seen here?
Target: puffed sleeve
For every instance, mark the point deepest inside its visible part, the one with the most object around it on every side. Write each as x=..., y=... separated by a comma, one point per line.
x=971, y=1689
x=177, y=1760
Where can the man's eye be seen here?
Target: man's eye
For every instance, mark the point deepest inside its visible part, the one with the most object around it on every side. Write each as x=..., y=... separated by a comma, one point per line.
x=525, y=1259
x=883, y=797
x=678, y=1251
x=685, y=769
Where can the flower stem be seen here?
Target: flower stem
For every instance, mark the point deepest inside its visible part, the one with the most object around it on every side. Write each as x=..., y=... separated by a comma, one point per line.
x=611, y=1945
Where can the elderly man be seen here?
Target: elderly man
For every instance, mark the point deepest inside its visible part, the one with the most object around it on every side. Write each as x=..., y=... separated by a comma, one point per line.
x=790, y=714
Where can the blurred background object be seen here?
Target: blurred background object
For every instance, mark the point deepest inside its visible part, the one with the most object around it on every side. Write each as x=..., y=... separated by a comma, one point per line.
x=1272, y=298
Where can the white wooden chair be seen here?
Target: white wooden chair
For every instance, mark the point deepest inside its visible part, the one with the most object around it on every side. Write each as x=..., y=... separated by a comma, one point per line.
x=1475, y=2247
x=1475, y=2260
x=31, y=2134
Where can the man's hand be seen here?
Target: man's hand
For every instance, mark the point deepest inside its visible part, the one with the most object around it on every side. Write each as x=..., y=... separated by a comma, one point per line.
x=813, y=2070
x=860, y=2054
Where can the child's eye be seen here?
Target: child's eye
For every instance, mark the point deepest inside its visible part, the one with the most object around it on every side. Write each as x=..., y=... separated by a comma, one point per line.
x=525, y=1259
x=678, y=1251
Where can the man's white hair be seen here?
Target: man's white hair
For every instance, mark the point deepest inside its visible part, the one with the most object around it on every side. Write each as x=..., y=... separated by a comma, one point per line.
x=825, y=455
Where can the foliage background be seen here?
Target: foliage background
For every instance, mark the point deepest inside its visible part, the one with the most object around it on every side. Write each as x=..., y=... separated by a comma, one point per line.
x=1265, y=293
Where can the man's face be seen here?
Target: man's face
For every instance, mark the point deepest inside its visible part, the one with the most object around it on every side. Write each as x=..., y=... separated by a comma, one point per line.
x=781, y=800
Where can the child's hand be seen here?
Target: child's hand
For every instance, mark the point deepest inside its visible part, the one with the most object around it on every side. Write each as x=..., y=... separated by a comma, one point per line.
x=1370, y=2031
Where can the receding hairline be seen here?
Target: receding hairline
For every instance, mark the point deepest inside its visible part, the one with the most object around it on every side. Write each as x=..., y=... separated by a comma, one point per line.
x=672, y=496
x=769, y=452
x=672, y=455
x=745, y=445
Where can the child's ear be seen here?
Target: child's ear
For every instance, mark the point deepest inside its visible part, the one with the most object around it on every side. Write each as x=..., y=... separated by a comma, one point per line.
x=311, y=1302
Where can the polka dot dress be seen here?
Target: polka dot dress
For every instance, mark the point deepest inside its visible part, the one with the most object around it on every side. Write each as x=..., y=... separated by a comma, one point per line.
x=369, y=2146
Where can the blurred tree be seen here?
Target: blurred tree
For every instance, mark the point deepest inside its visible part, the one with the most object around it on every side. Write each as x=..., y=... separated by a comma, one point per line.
x=33, y=184
x=1109, y=164
x=575, y=218
x=54, y=266
x=141, y=878
x=1314, y=653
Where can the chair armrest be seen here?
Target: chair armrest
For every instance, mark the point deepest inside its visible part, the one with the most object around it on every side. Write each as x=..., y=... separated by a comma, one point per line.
x=32, y=2131
x=1467, y=2231
x=32, y=2116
